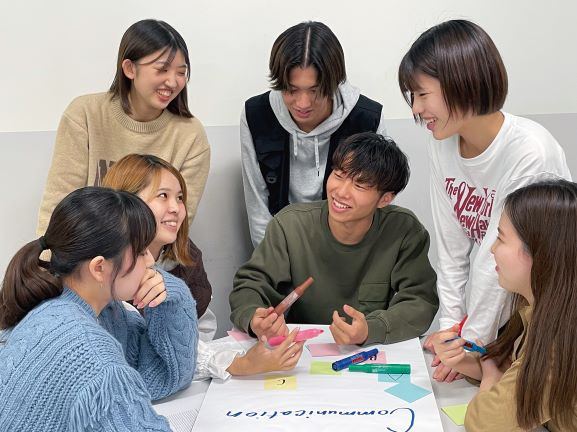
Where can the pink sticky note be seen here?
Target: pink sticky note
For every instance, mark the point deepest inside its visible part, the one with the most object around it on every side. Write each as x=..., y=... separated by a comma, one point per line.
x=324, y=349
x=381, y=358
x=238, y=335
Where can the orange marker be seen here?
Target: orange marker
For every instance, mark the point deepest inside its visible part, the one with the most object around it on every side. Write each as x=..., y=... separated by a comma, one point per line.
x=293, y=296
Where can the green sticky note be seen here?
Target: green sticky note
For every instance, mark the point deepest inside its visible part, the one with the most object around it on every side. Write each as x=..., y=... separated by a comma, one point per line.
x=322, y=368
x=456, y=413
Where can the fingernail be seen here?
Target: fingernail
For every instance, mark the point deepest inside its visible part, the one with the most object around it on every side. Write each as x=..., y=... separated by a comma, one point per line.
x=140, y=305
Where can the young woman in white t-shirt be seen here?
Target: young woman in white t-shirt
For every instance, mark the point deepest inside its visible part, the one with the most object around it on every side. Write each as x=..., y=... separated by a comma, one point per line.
x=456, y=83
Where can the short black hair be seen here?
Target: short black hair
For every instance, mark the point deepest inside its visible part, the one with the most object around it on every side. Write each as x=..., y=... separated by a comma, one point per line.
x=374, y=160
x=465, y=60
x=307, y=44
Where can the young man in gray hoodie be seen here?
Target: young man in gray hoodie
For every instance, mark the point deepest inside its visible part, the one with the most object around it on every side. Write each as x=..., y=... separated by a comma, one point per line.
x=288, y=134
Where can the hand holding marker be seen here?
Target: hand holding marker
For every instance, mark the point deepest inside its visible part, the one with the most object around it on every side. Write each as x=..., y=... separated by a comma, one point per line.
x=301, y=336
x=469, y=346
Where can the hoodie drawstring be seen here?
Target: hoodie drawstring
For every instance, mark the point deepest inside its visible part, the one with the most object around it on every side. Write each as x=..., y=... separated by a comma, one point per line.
x=317, y=155
x=295, y=151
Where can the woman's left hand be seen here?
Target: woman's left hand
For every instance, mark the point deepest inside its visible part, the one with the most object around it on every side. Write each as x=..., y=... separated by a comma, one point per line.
x=491, y=372
x=151, y=291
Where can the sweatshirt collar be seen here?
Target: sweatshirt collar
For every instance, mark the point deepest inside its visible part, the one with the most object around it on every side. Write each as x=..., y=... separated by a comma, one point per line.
x=367, y=239
x=136, y=126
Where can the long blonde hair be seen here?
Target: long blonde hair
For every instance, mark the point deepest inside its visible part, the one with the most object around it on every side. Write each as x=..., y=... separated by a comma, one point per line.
x=134, y=173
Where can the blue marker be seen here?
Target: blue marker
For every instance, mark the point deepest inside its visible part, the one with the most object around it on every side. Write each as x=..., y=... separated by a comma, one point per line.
x=356, y=358
x=472, y=346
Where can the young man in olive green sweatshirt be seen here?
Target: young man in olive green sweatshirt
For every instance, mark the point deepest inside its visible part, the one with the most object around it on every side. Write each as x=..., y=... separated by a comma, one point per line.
x=368, y=258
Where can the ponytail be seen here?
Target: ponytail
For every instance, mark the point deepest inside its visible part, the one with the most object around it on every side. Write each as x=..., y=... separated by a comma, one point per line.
x=88, y=222
x=26, y=284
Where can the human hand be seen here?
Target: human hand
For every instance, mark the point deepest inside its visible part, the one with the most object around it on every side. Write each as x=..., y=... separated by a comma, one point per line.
x=428, y=344
x=260, y=359
x=347, y=334
x=491, y=372
x=151, y=291
x=266, y=322
x=448, y=351
x=446, y=374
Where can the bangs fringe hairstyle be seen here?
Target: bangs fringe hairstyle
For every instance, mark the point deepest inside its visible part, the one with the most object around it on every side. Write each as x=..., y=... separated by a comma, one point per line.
x=307, y=44
x=464, y=59
x=134, y=173
x=374, y=160
x=545, y=217
x=140, y=40
x=87, y=223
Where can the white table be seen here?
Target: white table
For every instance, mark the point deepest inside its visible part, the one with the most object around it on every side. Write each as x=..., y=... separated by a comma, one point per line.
x=446, y=394
x=181, y=409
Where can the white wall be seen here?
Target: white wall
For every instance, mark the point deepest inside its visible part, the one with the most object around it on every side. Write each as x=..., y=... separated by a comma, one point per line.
x=54, y=51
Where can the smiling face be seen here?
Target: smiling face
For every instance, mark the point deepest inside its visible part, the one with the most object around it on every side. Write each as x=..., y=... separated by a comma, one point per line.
x=513, y=261
x=166, y=202
x=429, y=104
x=155, y=83
x=303, y=99
x=352, y=204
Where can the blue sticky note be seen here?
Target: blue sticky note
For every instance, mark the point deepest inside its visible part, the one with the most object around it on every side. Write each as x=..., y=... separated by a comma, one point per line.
x=394, y=378
x=407, y=391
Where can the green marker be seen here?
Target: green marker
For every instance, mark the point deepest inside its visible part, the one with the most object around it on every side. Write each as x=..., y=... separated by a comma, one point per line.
x=381, y=368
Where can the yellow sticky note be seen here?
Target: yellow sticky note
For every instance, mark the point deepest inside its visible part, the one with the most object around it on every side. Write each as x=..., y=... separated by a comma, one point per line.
x=276, y=382
x=322, y=368
x=456, y=413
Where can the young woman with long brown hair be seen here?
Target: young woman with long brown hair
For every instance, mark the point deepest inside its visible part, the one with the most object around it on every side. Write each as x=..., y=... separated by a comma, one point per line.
x=163, y=188
x=529, y=374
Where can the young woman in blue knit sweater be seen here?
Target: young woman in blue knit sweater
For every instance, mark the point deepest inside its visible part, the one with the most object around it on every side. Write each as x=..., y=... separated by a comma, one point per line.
x=75, y=358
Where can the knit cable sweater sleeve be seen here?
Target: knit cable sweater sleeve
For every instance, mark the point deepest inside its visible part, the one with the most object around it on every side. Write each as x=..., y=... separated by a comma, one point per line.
x=115, y=400
x=195, y=170
x=415, y=302
x=69, y=167
x=162, y=347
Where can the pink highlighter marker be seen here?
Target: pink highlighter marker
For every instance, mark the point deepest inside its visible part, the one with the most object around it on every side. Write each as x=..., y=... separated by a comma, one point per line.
x=301, y=336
